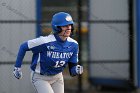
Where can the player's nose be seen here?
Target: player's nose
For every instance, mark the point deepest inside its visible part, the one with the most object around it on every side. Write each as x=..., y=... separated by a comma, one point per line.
x=68, y=26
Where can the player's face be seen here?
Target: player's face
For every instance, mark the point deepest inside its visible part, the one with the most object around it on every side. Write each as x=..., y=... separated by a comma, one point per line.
x=66, y=30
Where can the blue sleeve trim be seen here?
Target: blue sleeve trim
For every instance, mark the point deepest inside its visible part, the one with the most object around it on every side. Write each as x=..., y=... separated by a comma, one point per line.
x=21, y=54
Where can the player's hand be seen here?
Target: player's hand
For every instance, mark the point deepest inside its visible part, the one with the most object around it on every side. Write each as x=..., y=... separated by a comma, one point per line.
x=79, y=69
x=17, y=73
x=76, y=70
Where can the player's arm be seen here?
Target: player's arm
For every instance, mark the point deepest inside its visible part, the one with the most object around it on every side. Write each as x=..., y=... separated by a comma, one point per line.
x=21, y=53
x=71, y=65
x=74, y=68
x=33, y=45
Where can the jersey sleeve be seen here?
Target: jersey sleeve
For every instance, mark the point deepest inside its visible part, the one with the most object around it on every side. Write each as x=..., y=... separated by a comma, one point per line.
x=34, y=45
x=21, y=53
x=74, y=58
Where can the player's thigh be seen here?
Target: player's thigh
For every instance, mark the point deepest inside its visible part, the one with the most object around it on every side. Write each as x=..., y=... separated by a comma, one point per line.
x=58, y=86
x=43, y=87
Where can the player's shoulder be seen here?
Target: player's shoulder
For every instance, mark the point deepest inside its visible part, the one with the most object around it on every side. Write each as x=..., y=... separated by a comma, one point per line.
x=69, y=39
x=40, y=40
x=48, y=38
x=43, y=39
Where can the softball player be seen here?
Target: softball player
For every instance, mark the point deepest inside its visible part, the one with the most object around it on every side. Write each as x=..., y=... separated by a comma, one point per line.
x=51, y=54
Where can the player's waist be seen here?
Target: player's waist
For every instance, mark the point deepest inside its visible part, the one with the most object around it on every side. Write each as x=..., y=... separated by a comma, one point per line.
x=47, y=74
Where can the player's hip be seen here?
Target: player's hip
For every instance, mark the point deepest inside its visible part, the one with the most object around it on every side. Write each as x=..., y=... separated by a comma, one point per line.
x=53, y=78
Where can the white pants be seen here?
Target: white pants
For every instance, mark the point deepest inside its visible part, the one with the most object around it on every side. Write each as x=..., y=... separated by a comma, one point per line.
x=48, y=84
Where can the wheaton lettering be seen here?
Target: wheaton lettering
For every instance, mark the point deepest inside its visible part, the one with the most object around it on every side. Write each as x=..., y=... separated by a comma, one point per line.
x=59, y=55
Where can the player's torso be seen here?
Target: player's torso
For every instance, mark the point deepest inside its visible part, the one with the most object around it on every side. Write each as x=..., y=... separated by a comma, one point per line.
x=56, y=56
x=51, y=55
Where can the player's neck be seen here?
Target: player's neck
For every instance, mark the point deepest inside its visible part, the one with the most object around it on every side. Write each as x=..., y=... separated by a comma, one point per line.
x=63, y=38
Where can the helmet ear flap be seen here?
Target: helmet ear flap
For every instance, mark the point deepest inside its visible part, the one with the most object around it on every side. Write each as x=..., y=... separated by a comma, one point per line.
x=56, y=29
x=59, y=29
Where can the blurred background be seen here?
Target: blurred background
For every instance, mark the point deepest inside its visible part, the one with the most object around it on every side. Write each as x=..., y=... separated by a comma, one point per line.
x=108, y=32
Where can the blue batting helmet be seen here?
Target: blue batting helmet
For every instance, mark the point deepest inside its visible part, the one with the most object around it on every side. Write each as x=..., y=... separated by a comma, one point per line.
x=61, y=19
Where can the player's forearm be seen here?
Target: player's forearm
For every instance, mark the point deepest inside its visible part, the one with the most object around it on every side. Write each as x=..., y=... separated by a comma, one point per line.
x=71, y=65
x=21, y=53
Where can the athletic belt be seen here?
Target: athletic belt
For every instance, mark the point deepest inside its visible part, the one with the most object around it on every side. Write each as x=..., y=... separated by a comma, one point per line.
x=47, y=74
